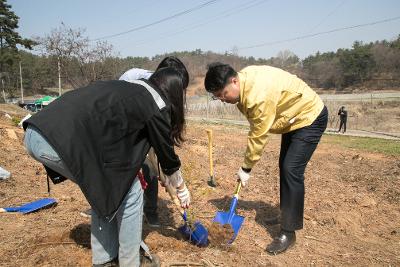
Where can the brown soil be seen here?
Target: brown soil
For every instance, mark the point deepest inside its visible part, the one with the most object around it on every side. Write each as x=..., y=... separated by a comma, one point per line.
x=220, y=235
x=352, y=208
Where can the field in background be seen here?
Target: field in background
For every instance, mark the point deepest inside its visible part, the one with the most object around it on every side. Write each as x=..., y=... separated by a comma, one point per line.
x=369, y=112
x=377, y=145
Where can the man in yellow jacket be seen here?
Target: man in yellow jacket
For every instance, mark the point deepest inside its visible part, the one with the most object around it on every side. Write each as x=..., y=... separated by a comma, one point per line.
x=275, y=101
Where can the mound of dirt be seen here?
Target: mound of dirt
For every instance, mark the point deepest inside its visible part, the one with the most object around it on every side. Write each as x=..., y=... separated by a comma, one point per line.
x=220, y=235
x=13, y=110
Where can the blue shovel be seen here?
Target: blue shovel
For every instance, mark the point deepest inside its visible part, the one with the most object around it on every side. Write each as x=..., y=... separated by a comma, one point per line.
x=235, y=221
x=196, y=233
x=31, y=207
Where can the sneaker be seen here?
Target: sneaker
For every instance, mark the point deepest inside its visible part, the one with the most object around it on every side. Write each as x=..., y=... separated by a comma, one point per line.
x=152, y=220
x=86, y=213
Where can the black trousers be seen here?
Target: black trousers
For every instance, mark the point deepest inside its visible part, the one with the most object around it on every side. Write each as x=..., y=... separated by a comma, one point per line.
x=343, y=123
x=151, y=192
x=297, y=148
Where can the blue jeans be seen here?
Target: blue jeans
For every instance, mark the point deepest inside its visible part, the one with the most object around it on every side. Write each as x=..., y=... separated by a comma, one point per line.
x=39, y=148
x=118, y=237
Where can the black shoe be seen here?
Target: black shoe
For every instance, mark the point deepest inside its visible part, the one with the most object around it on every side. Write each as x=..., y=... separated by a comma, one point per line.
x=151, y=260
x=273, y=220
x=152, y=220
x=112, y=263
x=282, y=242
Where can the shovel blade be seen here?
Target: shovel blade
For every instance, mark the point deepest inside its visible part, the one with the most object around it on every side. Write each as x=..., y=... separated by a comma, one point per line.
x=33, y=206
x=235, y=221
x=212, y=182
x=198, y=234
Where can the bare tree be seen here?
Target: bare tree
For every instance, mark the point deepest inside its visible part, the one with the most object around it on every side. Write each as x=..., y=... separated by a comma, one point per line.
x=286, y=58
x=387, y=59
x=80, y=62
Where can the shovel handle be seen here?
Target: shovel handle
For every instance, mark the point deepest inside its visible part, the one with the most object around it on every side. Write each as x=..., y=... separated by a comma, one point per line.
x=237, y=190
x=2, y=210
x=171, y=191
x=234, y=201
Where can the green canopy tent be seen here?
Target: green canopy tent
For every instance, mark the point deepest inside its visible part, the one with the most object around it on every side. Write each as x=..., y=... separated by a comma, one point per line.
x=44, y=101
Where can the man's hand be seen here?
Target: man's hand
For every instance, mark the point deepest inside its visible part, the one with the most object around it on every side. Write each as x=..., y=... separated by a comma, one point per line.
x=183, y=195
x=243, y=176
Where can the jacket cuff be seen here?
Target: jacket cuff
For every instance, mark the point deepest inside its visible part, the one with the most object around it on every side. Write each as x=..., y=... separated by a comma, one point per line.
x=171, y=171
x=247, y=164
x=246, y=170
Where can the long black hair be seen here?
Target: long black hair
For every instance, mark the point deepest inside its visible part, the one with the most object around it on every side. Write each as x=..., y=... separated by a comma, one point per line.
x=177, y=64
x=170, y=82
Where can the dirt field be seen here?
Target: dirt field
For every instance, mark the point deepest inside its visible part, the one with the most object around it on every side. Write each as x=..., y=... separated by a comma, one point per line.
x=352, y=208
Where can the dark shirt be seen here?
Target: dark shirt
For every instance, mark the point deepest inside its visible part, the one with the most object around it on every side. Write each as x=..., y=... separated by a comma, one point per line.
x=343, y=114
x=103, y=132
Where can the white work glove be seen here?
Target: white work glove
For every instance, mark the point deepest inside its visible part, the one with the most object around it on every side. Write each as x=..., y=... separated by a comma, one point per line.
x=243, y=176
x=174, y=179
x=183, y=196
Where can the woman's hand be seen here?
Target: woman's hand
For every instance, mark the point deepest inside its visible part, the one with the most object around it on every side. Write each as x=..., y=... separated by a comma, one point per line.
x=174, y=179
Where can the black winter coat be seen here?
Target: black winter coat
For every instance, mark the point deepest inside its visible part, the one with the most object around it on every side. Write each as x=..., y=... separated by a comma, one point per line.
x=103, y=132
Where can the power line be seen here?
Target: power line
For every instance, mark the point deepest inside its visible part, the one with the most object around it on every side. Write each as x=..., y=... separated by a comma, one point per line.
x=320, y=33
x=326, y=17
x=222, y=15
x=159, y=21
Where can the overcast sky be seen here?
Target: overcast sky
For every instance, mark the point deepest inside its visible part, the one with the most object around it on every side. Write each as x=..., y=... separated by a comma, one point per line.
x=256, y=28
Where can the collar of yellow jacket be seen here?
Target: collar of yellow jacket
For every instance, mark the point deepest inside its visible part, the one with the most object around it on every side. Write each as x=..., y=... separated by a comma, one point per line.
x=242, y=84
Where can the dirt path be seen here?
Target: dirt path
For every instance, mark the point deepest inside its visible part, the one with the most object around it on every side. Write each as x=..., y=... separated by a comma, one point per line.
x=352, y=208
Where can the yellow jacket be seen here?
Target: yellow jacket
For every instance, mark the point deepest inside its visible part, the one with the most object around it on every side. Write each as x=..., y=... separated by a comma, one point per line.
x=275, y=101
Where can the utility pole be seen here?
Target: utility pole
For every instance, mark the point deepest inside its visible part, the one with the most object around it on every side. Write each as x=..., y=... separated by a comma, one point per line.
x=2, y=86
x=20, y=78
x=59, y=76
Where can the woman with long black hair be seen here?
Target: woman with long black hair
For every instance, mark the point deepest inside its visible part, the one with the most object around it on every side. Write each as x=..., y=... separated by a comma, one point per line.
x=150, y=170
x=98, y=136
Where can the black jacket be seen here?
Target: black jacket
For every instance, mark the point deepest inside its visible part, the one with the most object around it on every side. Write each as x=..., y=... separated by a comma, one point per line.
x=343, y=114
x=103, y=132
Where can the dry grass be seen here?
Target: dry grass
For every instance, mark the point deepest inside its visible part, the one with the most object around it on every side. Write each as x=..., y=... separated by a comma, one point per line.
x=376, y=115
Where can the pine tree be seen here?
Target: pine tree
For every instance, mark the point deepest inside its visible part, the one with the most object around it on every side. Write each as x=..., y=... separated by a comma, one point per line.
x=9, y=39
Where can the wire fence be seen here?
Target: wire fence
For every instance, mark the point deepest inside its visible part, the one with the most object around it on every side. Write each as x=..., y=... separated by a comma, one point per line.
x=368, y=111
